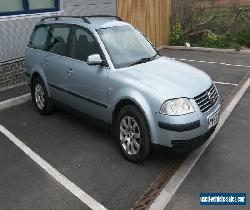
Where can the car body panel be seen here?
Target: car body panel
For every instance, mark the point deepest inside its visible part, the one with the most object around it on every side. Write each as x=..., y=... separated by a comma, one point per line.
x=91, y=84
x=172, y=78
x=55, y=70
x=37, y=67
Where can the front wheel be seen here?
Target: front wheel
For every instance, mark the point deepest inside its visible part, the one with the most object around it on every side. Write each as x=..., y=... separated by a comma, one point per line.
x=133, y=134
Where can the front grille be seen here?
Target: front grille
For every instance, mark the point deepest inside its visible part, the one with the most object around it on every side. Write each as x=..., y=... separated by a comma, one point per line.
x=189, y=145
x=207, y=99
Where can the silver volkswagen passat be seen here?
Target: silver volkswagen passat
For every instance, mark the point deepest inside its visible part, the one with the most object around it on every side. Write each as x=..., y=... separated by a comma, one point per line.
x=104, y=67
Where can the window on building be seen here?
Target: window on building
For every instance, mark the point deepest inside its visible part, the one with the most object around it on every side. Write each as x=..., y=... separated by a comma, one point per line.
x=16, y=7
x=38, y=4
x=11, y=5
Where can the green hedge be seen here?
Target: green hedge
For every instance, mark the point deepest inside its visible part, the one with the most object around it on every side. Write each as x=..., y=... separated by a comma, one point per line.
x=214, y=41
x=243, y=37
x=177, y=36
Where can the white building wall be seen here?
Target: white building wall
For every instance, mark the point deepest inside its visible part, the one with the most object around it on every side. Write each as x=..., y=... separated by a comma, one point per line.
x=15, y=31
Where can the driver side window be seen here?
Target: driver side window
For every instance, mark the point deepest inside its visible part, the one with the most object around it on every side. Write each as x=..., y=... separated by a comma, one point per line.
x=83, y=44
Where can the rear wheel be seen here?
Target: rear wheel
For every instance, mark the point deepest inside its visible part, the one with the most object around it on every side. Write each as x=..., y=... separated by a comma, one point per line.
x=133, y=134
x=40, y=96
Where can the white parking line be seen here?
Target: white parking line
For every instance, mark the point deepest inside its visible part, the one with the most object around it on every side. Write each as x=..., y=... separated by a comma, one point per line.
x=169, y=190
x=225, y=83
x=211, y=62
x=70, y=186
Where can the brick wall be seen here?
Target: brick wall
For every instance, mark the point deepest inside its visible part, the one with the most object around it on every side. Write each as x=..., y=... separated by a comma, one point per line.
x=12, y=74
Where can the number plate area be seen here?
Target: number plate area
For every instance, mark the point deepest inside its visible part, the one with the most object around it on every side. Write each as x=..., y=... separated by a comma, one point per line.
x=213, y=119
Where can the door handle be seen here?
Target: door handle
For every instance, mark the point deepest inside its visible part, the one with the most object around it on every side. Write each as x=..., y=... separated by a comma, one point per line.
x=70, y=71
x=45, y=63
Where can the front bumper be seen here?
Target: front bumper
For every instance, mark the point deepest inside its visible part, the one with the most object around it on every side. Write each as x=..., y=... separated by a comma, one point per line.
x=188, y=145
x=185, y=132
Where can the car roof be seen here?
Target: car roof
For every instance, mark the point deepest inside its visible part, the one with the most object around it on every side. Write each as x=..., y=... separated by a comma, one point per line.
x=91, y=22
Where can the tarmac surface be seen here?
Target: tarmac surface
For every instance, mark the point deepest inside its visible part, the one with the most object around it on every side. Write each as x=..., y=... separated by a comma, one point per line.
x=224, y=165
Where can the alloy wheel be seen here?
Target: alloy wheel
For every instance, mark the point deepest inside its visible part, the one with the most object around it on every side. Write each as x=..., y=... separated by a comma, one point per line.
x=39, y=96
x=130, y=135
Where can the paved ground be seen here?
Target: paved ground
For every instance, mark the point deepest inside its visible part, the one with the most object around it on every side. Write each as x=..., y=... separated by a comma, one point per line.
x=25, y=186
x=218, y=72
x=85, y=154
x=83, y=151
x=231, y=58
x=224, y=165
x=14, y=92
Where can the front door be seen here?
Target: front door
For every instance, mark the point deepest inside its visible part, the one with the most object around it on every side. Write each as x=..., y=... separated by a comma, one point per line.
x=87, y=84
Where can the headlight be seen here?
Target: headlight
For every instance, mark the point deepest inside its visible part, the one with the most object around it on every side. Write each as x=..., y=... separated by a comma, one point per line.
x=178, y=106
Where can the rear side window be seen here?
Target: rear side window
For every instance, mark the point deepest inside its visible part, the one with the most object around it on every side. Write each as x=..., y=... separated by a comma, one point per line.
x=58, y=42
x=83, y=44
x=39, y=38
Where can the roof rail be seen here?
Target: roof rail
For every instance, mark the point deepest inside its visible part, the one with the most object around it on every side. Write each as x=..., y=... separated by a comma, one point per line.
x=84, y=18
x=57, y=17
x=103, y=16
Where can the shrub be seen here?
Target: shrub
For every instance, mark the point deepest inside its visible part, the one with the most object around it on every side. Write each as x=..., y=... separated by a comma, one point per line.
x=236, y=46
x=214, y=41
x=177, y=36
x=243, y=37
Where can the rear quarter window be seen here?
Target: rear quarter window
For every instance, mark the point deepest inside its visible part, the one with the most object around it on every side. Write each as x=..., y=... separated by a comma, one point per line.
x=39, y=38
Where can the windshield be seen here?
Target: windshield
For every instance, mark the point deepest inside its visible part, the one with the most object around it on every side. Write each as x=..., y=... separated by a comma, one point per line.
x=126, y=46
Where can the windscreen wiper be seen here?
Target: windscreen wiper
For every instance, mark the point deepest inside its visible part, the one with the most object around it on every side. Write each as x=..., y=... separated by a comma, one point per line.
x=143, y=60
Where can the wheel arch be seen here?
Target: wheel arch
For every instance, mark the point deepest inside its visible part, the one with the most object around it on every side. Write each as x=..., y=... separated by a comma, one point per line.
x=35, y=75
x=144, y=109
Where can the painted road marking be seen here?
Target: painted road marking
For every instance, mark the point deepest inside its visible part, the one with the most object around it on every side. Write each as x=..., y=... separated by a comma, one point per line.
x=176, y=180
x=225, y=83
x=70, y=186
x=211, y=62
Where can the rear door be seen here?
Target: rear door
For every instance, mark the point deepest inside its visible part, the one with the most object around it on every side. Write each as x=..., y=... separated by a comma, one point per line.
x=55, y=61
x=36, y=50
x=87, y=84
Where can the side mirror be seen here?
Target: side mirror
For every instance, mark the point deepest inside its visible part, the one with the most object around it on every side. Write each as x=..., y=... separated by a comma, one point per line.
x=94, y=60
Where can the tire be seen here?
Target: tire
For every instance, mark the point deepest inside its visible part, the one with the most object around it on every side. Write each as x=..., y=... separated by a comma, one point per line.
x=132, y=132
x=40, y=97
